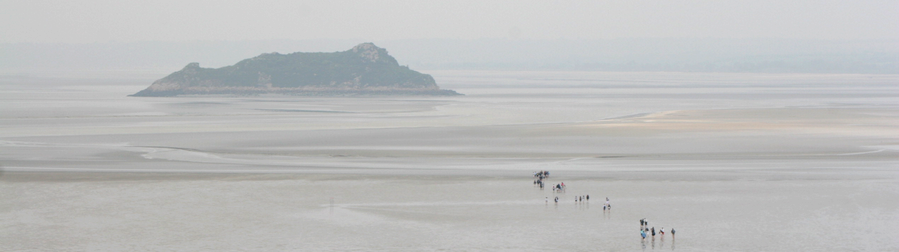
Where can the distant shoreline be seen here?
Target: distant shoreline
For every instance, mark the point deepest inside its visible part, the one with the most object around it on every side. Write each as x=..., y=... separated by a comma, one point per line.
x=295, y=92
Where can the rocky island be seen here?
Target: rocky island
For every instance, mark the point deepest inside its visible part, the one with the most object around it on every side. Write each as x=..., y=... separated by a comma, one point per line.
x=364, y=70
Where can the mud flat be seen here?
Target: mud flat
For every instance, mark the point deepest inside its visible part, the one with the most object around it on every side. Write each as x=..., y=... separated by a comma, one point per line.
x=731, y=161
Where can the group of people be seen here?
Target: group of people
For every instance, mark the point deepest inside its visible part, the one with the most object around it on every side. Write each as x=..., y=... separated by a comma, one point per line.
x=539, y=176
x=606, y=206
x=560, y=187
x=580, y=199
x=644, y=229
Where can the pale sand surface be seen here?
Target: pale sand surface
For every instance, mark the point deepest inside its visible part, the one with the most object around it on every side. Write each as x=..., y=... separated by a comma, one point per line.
x=734, y=162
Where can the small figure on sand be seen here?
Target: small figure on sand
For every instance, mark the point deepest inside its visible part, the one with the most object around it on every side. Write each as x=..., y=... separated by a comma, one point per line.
x=643, y=234
x=672, y=233
x=653, y=232
x=557, y=200
x=662, y=232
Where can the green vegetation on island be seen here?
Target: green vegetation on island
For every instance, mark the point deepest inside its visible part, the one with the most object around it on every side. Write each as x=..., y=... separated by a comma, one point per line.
x=366, y=69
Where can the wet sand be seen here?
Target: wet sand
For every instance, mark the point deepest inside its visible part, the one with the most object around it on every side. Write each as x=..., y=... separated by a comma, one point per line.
x=731, y=161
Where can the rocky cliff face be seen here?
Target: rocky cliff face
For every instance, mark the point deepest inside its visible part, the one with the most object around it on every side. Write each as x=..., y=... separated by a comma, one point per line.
x=364, y=69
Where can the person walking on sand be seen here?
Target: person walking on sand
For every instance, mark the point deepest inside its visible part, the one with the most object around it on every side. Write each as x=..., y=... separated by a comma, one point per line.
x=672, y=233
x=643, y=234
x=662, y=231
x=653, y=232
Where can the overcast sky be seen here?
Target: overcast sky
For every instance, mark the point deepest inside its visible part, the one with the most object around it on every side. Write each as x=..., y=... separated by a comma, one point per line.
x=157, y=20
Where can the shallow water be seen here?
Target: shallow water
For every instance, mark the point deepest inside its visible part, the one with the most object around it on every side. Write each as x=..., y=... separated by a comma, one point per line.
x=745, y=162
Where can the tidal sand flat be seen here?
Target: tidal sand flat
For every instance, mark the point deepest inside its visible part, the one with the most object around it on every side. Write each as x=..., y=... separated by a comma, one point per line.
x=733, y=162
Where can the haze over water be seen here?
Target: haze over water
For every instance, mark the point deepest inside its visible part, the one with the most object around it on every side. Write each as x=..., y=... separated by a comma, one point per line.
x=744, y=125
x=731, y=161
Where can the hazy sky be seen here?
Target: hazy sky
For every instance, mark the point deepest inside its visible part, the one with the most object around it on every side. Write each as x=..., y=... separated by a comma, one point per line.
x=104, y=21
